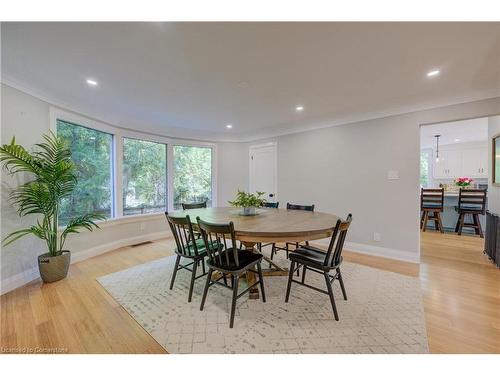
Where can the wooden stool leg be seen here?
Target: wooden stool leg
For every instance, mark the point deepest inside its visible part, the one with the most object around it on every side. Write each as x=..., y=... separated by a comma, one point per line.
x=440, y=223
x=475, y=220
x=479, y=229
x=426, y=217
x=434, y=218
x=461, y=223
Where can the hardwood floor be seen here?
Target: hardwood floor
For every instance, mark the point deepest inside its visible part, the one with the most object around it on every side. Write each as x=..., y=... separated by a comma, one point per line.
x=461, y=292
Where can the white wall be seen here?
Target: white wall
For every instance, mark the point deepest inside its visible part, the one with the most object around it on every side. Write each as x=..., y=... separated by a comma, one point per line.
x=493, y=191
x=232, y=171
x=27, y=118
x=341, y=169
x=344, y=169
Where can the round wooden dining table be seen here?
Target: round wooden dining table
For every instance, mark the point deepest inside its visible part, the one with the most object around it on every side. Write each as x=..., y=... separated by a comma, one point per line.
x=267, y=226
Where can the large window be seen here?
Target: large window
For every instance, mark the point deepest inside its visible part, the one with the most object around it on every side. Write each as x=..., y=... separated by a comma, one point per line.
x=425, y=167
x=192, y=175
x=144, y=177
x=91, y=151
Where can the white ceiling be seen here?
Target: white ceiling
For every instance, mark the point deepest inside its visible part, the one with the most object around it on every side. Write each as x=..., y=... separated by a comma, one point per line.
x=185, y=79
x=475, y=130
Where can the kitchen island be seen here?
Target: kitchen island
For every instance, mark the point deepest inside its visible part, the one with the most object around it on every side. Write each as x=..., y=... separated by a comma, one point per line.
x=449, y=216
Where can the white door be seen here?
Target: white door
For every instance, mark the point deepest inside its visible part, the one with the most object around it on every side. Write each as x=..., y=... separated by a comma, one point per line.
x=263, y=170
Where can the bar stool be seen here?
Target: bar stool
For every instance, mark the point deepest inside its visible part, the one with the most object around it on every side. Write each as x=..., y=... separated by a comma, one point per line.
x=471, y=202
x=431, y=206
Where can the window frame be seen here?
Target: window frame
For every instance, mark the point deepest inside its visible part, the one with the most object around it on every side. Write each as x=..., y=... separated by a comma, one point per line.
x=430, y=164
x=170, y=157
x=118, y=134
x=160, y=141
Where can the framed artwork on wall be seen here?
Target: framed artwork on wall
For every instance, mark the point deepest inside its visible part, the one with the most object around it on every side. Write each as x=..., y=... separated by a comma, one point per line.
x=496, y=160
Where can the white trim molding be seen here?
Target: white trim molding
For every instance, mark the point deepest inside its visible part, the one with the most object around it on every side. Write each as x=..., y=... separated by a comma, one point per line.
x=377, y=251
x=31, y=274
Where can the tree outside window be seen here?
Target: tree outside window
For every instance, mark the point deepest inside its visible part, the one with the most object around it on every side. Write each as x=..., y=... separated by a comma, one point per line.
x=91, y=151
x=192, y=175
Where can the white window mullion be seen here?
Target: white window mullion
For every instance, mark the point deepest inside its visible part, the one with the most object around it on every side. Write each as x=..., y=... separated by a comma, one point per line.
x=118, y=175
x=170, y=177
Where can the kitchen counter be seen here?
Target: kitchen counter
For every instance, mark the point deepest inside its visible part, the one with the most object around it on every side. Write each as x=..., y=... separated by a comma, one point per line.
x=449, y=216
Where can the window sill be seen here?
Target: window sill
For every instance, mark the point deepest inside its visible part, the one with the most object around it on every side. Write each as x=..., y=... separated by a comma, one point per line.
x=127, y=220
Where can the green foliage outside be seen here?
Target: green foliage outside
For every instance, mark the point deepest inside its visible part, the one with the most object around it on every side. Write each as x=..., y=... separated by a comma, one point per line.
x=424, y=169
x=144, y=176
x=91, y=152
x=53, y=179
x=192, y=175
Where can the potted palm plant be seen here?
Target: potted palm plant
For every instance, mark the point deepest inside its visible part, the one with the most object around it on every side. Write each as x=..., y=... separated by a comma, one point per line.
x=53, y=179
x=249, y=202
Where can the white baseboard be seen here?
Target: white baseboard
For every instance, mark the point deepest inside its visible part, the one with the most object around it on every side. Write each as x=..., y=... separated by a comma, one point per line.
x=29, y=275
x=378, y=251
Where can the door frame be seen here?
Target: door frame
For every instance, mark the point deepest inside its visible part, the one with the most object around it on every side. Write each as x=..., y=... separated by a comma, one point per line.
x=255, y=147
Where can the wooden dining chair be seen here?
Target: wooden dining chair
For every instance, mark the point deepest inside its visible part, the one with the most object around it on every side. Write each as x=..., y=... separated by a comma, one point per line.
x=187, y=246
x=431, y=206
x=290, y=206
x=260, y=245
x=471, y=202
x=319, y=261
x=227, y=259
x=192, y=206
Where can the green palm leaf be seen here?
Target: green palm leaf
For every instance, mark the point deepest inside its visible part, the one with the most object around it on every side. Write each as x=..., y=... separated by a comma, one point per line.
x=54, y=178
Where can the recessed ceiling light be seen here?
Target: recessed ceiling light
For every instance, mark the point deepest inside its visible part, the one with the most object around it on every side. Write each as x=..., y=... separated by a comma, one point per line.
x=229, y=126
x=91, y=82
x=457, y=140
x=433, y=73
x=299, y=108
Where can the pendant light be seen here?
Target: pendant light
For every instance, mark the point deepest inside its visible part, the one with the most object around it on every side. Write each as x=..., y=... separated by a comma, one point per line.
x=437, y=147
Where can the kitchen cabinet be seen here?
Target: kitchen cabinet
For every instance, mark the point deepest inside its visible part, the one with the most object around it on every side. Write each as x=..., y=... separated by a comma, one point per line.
x=449, y=164
x=465, y=162
x=475, y=162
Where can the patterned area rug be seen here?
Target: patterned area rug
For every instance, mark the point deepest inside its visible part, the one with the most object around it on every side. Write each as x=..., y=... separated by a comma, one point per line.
x=383, y=313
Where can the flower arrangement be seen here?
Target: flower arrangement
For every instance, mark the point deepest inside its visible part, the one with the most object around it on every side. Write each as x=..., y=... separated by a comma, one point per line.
x=463, y=181
x=248, y=201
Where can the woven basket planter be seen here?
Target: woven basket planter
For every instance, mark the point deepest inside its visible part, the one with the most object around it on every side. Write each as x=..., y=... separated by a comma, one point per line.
x=54, y=268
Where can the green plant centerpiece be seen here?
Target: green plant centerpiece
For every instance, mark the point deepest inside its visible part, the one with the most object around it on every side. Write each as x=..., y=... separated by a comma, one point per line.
x=52, y=179
x=249, y=202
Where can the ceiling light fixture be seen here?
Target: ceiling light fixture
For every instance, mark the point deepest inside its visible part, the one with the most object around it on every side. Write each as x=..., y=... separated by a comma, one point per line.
x=92, y=82
x=299, y=108
x=437, y=147
x=457, y=140
x=433, y=73
x=229, y=126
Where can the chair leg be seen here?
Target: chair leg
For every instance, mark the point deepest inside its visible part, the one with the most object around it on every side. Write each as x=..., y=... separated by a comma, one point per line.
x=290, y=277
x=259, y=247
x=273, y=250
x=203, y=265
x=422, y=220
x=233, y=303
x=304, y=273
x=440, y=223
x=479, y=228
x=330, y=293
x=261, y=282
x=426, y=218
x=177, y=261
x=461, y=223
x=435, y=219
x=193, y=277
x=341, y=281
x=458, y=224
x=207, y=285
